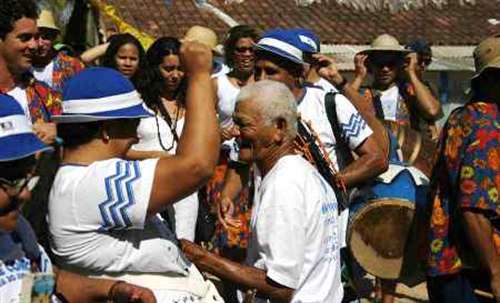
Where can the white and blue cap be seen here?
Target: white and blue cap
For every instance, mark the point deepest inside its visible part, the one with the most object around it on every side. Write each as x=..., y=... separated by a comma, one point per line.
x=309, y=41
x=282, y=42
x=17, y=139
x=100, y=93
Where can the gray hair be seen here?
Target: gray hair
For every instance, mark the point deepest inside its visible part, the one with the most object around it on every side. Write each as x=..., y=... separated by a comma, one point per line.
x=274, y=100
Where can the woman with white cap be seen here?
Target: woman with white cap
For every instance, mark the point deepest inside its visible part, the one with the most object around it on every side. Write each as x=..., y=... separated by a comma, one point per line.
x=103, y=210
x=26, y=272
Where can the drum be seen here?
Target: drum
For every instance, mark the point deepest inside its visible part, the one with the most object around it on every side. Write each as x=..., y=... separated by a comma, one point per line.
x=417, y=148
x=381, y=234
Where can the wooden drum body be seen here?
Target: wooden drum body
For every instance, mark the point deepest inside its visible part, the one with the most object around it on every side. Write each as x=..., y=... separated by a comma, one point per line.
x=418, y=149
x=381, y=233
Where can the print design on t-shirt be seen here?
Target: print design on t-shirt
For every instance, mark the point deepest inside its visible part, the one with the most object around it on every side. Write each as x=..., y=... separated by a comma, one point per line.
x=352, y=129
x=114, y=208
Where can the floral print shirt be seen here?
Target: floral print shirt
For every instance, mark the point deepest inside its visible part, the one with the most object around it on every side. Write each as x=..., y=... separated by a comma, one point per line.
x=65, y=67
x=467, y=175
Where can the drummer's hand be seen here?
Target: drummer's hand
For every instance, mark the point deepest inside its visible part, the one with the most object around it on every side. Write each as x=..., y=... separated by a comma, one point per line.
x=225, y=213
x=196, y=57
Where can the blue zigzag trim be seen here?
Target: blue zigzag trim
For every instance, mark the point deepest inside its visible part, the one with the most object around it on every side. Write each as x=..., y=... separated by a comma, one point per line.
x=130, y=192
x=355, y=125
x=110, y=197
x=114, y=209
x=118, y=222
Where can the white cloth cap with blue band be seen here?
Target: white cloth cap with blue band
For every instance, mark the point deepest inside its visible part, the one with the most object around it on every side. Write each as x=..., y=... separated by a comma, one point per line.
x=17, y=139
x=100, y=93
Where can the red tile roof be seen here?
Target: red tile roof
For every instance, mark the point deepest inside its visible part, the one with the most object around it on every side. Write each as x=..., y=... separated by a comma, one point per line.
x=453, y=24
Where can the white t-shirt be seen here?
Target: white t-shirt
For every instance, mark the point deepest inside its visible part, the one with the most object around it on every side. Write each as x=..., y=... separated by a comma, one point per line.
x=20, y=95
x=354, y=128
x=186, y=210
x=13, y=276
x=389, y=101
x=97, y=220
x=325, y=85
x=295, y=232
x=44, y=74
x=226, y=96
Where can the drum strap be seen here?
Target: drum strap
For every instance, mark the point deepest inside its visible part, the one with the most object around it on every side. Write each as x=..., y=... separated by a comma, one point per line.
x=331, y=113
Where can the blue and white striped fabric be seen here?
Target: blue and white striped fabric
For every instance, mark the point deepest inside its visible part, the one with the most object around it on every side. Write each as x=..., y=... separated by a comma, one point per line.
x=284, y=43
x=353, y=127
x=120, y=195
x=17, y=139
x=100, y=94
x=309, y=41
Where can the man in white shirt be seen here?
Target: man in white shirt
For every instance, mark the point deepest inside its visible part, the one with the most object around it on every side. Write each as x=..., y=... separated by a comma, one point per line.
x=293, y=254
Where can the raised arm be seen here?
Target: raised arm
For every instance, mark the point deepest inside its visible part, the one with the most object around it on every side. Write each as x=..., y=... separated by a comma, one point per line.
x=92, y=54
x=198, y=150
x=427, y=104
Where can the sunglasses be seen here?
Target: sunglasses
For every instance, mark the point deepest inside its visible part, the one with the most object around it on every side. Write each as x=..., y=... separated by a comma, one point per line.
x=244, y=49
x=17, y=186
x=386, y=61
x=47, y=35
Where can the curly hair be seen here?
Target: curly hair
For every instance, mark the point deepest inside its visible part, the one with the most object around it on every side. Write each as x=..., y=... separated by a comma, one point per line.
x=13, y=10
x=162, y=47
x=236, y=33
x=139, y=79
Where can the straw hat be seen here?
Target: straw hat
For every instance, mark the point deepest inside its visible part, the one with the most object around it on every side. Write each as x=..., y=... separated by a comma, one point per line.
x=46, y=20
x=487, y=55
x=385, y=43
x=203, y=35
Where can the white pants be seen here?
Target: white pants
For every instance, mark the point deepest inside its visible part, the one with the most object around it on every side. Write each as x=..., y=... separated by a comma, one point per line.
x=186, y=213
x=173, y=289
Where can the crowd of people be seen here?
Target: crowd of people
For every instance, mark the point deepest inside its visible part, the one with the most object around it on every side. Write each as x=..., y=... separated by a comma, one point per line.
x=189, y=173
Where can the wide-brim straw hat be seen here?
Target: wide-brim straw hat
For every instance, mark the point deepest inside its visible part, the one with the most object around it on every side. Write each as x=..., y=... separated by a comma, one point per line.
x=203, y=35
x=385, y=43
x=487, y=55
x=46, y=20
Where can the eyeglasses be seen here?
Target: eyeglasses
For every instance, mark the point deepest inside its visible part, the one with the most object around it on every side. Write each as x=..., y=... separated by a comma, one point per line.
x=17, y=186
x=244, y=49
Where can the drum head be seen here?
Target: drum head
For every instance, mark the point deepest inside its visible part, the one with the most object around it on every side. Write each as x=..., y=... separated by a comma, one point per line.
x=378, y=233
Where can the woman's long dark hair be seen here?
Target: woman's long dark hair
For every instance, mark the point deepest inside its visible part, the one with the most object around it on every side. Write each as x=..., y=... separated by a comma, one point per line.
x=164, y=46
x=139, y=79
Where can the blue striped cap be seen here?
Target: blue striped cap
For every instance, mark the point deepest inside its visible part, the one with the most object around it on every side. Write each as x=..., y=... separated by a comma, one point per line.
x=16, y=135
x=309, y=42
x=100, y=93
x=284, y=43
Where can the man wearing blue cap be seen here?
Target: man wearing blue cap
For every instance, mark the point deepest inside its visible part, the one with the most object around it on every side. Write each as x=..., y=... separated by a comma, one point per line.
x=25, y=268
x=103, y=210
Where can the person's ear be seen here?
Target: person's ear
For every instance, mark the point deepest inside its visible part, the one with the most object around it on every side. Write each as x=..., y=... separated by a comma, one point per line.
x=282, y=127
x=105, y=137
